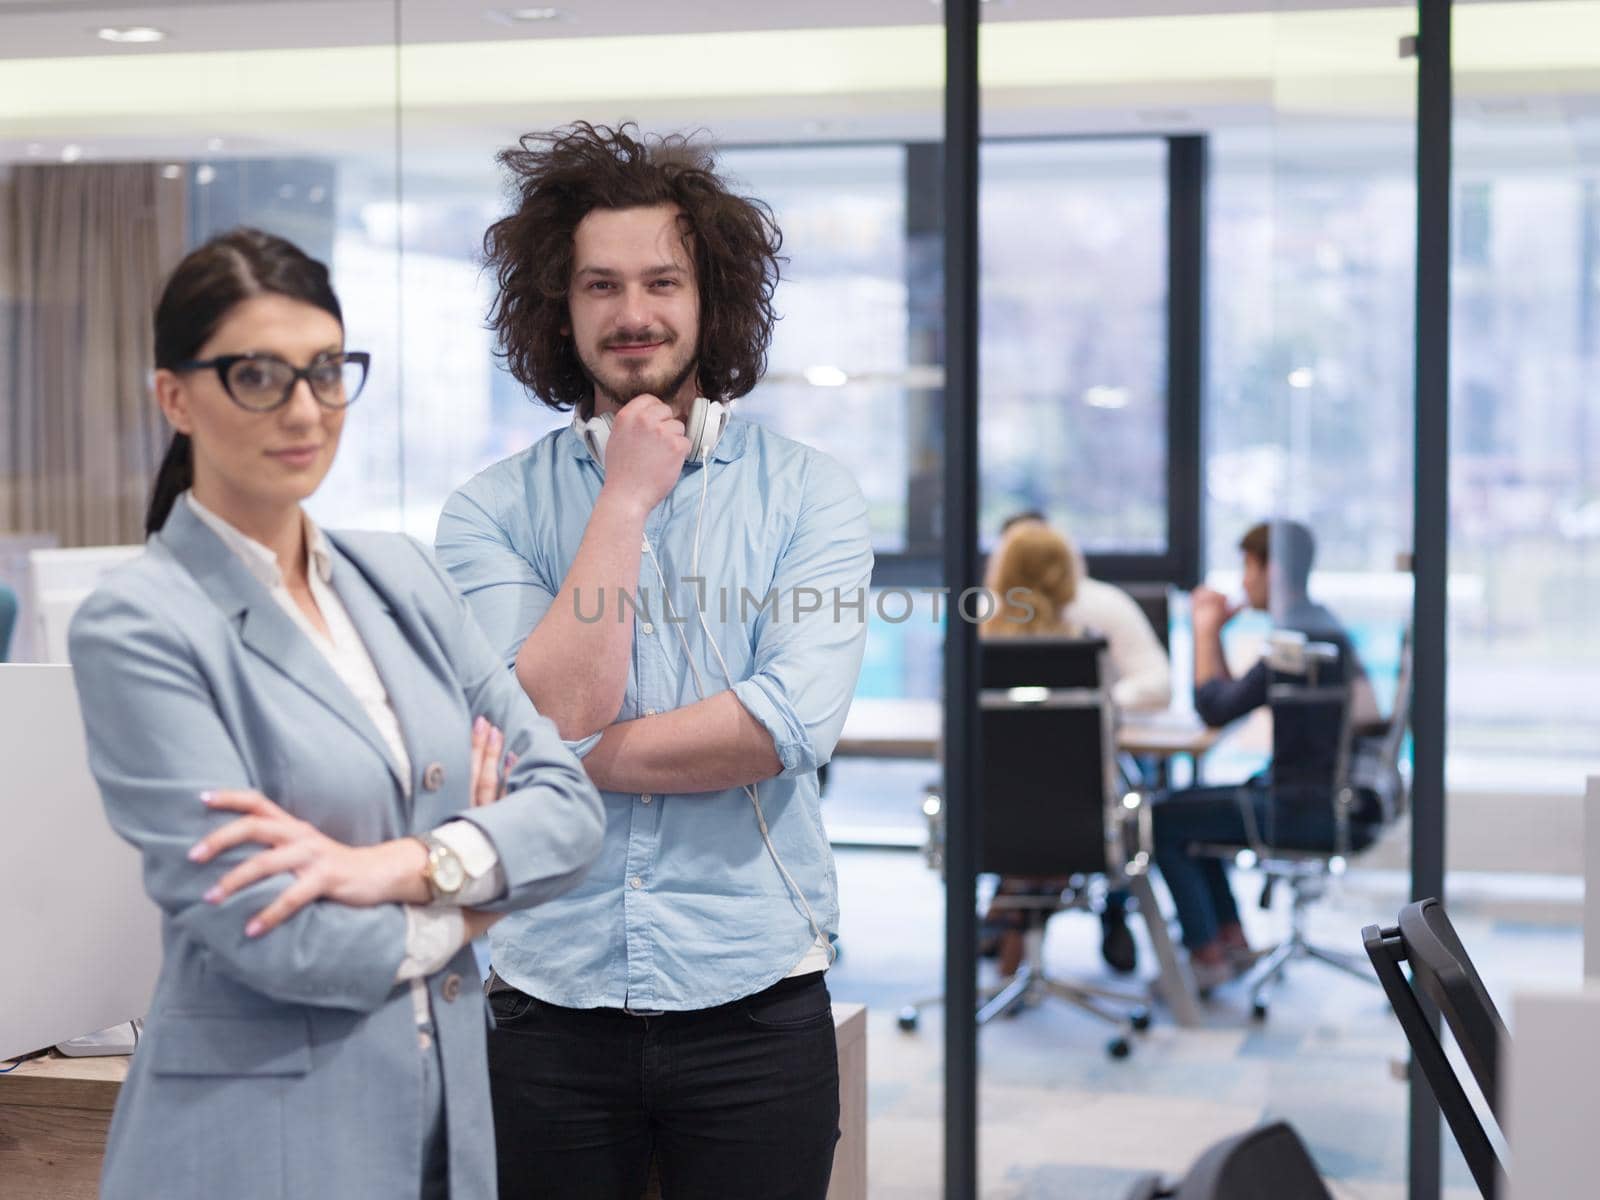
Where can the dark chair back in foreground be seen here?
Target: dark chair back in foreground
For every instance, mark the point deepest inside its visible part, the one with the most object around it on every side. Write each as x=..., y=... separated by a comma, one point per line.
x=1268, y=1163
x=1442, y=971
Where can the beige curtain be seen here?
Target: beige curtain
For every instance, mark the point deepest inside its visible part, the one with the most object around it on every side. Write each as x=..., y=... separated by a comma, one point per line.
x=84, y=249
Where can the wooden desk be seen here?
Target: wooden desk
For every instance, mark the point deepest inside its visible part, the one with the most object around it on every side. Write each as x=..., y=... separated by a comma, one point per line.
x=913, y=729
x=54, y=1114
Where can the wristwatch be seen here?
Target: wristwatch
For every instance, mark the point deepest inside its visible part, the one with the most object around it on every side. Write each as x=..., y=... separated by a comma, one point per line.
x=443, y=870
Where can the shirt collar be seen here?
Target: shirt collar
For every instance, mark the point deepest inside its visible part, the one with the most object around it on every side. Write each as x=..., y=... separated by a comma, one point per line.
x=259, y=559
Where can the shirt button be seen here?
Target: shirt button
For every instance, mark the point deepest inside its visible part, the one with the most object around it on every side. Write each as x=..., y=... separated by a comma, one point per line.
x=647, y=627
x=636, y=882
x=647, y=797
x=450, y=989
x=433, y=777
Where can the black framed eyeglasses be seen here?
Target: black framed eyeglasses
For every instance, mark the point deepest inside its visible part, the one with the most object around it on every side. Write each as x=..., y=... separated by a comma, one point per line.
x=263, y=382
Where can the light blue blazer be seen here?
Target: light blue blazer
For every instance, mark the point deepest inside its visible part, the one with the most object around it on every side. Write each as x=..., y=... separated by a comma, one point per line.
x=288, y=1066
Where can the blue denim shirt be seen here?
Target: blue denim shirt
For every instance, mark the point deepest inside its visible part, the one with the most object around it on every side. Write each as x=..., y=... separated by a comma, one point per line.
x=684, y=908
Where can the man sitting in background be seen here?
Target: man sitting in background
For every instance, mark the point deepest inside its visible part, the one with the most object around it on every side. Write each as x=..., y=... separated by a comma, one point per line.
x=1290, y=804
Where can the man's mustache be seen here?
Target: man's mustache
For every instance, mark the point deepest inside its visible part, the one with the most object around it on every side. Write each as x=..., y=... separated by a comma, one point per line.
x=637, y=339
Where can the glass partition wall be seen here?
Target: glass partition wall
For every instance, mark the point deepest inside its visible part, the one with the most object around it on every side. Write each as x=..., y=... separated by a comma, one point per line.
x=1330, y=370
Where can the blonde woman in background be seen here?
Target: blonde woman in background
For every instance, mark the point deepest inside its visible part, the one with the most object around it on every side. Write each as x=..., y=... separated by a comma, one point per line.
x=1033, y=575
x=1037, y=562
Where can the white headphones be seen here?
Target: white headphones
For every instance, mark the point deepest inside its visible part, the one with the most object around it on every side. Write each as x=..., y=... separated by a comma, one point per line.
x=707, y=420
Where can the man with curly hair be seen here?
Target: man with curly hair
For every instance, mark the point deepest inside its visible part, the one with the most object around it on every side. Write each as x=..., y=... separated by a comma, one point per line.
x=683, y=593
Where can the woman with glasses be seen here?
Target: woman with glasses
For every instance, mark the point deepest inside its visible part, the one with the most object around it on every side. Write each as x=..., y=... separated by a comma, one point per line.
x=332, y=780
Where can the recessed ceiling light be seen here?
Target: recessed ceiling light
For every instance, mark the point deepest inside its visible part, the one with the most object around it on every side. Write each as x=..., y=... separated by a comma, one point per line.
x=131, y=34
x=204, y=174
x=825, y=376
x=526, y=16
x=172, y=171
x=71, y=152
x=213, y=145
x=1106, y=396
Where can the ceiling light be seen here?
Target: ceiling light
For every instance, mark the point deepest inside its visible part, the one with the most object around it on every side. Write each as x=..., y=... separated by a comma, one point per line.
x=172, y=171
x=131, y=35
x=1302, y=377
x=71, y=152
x=1101, y=396
x=526, y=16
x=825, y=377
x=213, y=145
x=204, y=174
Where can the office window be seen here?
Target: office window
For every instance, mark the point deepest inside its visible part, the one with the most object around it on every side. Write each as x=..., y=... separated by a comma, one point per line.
x=1309, y=405
x=837, y=372
x=1073, y=352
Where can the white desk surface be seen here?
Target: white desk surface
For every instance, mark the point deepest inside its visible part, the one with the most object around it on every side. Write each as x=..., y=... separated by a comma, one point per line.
x=912, y=729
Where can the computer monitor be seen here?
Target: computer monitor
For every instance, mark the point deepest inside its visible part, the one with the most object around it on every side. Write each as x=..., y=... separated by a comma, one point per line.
x=59, y=581
x=79, y=939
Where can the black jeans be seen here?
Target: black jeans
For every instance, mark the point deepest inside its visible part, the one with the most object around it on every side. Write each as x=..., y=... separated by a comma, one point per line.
x=741, y=1100
x=1285, y=818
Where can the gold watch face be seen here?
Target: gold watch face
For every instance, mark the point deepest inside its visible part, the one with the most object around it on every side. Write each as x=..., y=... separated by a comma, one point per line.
x=444, y=868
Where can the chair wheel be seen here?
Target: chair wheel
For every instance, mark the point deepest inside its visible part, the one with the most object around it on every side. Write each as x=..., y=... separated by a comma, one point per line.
x=1258, y=1010
x=1119, y=1048
x=1139, y=1018
x=908, y=1020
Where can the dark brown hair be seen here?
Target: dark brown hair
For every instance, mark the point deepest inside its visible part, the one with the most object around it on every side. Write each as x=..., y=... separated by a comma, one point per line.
x=230, y=268
x=560, y=177
x=1293, y=544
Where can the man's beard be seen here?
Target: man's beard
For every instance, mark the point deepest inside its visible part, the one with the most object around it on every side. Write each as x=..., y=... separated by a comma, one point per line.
x=628, y=385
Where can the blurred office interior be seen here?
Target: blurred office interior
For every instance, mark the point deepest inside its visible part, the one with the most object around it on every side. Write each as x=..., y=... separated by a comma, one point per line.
x=1152, y=393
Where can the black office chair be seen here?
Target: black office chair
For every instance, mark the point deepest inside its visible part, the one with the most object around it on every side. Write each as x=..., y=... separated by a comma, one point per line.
x=1155, y=601
x=1052, y=808
x=1442, y=971
x=1269, y=1163
x=1366, y=765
